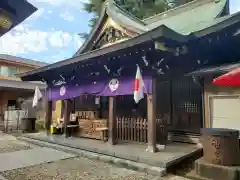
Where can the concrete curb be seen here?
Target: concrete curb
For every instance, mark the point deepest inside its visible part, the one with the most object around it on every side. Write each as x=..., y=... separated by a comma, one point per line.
x=108, y=159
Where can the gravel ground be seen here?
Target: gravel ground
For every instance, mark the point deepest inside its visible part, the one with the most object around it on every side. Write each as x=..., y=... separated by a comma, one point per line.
x=78, y=169
x=13, y=145
x=9, y=143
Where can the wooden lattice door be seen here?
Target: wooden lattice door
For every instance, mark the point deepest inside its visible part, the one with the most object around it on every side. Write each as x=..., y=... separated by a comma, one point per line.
x=163, y=110
x=186, y=105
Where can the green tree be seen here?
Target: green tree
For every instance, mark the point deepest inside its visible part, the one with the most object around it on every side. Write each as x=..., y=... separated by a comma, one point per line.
x=93, y=7
x=142, y=8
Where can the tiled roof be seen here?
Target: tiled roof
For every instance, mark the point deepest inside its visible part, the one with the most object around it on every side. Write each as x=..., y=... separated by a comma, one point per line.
x=185, y=19
x=191, y=17
x=22, y=60
x=21, y=84
x=214, y=69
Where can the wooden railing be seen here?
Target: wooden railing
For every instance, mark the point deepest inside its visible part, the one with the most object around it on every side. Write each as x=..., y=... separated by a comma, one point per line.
x=132, y=129
x=136, y=129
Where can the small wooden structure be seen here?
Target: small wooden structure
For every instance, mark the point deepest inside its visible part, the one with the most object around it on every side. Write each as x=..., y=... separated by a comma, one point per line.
x=89, y=127
x=105, y=67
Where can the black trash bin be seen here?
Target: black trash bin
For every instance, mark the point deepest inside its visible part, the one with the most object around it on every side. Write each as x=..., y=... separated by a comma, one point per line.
x=33, y=124
x=28, y=124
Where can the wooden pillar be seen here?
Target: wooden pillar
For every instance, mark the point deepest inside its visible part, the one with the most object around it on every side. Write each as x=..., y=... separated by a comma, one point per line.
x=112, y=124
x=1, y=106
x=48, y=118
x=66, y=115
x=151, y=111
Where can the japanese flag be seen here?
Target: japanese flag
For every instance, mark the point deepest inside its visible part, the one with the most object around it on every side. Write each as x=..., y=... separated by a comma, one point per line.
x=37, y=97
x=138, y=86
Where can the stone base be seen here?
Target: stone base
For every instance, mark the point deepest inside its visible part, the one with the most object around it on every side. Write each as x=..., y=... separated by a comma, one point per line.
x=111, y=142
x=216, y=172
x=199, y=145
x=158, y=148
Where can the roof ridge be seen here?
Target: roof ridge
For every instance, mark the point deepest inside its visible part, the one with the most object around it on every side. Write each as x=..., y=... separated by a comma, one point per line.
x=2, y=54
x=22, y=60
x=173, y=11
x=130, y=15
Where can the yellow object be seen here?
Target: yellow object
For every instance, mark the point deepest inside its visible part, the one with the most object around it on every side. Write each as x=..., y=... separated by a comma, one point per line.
x=57, y=113
x=53, y=129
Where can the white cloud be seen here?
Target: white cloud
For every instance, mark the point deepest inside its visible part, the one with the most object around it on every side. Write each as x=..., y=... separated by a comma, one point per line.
x=60, y=39
x=75, y=4
x=24, y=39
x=67, y=16
x=39, y=12
x=55, y=58
x=52, y=2
x=36, y=15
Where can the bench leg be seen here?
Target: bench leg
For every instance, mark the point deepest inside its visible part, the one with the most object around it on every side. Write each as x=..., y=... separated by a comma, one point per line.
x=105, y=136
x=102, y=135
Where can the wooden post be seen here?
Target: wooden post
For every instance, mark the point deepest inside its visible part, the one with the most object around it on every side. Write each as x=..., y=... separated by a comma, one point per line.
x=48, y=118
x=112, y=138
x=66, y=115
x=151, y=111
x=1, y=106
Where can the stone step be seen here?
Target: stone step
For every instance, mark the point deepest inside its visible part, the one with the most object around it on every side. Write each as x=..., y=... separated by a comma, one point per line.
x=108, y=159
x=192, y=175
x=216, y=172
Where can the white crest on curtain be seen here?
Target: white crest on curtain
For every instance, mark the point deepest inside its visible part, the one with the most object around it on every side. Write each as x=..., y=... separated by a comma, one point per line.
x=113, y=85
x=62, y=91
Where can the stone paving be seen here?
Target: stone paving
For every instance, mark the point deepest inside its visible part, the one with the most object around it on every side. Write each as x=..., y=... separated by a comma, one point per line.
x=173, y=153
x=25, y=158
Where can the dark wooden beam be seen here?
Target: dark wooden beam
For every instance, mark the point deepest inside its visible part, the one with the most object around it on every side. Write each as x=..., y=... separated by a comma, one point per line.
x=151, y=111
x=112, y=124
x=66, y=115
x=48, y=119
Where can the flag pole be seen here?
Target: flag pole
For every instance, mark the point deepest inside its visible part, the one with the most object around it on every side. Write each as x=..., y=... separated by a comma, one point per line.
x=47, y=124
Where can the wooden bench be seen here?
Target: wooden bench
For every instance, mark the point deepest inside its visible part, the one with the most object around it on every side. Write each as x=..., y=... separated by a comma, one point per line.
x=103, y=131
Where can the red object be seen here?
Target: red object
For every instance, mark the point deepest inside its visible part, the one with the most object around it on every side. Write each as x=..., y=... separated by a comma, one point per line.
x=136, y=87
x=231, y=78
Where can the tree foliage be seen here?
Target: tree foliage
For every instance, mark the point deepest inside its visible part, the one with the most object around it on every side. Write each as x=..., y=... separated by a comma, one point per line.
x=94, y=7
x=142, y=8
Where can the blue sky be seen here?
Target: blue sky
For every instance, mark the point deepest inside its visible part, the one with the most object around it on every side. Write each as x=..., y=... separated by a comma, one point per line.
x=51, y=33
